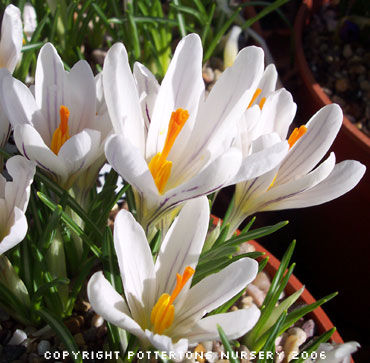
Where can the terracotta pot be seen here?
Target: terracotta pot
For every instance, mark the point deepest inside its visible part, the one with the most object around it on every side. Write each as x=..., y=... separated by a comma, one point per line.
x=351, y=143
x=337, y=232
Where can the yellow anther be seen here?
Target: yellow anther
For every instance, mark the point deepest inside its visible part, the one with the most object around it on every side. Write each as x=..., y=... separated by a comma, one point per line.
x=163, y=312
x=61, y=134
x=256, y=94
x=159, y=166
x=273, y=182
x=296, y=135
x=262, y=102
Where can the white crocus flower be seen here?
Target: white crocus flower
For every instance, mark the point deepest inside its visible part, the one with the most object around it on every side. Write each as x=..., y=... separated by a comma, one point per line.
x=10, y=54
x=172, y=143
x=58, y=127
x=340, y=353
x=163, y=309
x=295, y=182
x=14, y=196
x=29, y=20
x=231, y=47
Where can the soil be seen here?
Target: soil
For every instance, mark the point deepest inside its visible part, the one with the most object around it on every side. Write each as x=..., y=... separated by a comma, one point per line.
x=340, y=61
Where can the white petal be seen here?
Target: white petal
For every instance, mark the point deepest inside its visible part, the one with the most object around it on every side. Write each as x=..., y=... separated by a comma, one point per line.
x=31, y=145
x=29, y=20
x=212, y=178
x=182, y=245
x=50, y=86
x=19, y=104
x=182, y=87
x=17, y=231
x=313, y=145
x=17, y=192
x=148, y=88
x=267, y=84
x=11, y=38
x=122, y=97
x=109, y=304
x=340, y=352
x=164, y=344
x=277, y=113
x=128, y=162
x=227, y=101
x=341, y=180
x=101, y=106
x=247, y=129
x=235, y=324
x=216, y=289
x=80, y=150
x=5, y=128
x=80, y=97
x=280, y=195
x=262, y=161
x=136, y=265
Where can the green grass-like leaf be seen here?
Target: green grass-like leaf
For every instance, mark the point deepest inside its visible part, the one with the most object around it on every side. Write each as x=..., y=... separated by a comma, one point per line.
x=63, y=333
x=227, y=345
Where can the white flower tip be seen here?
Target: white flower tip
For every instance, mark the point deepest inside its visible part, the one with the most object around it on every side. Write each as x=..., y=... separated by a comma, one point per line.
x=231, y=46
x=13, y=11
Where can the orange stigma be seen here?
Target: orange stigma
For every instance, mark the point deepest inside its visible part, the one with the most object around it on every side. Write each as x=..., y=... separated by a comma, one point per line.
x=296, y=135
x=163, y=312
x=255, y=95
x=159, y=166
x=61, y=134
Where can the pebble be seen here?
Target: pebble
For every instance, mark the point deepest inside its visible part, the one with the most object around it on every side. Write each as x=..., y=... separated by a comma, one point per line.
x=291, y=347
x=309, y=328
x=208, y=75
x=218, y=347
x=43, y=347
x=75, y=323
x=82, y=306
x=246, y=302
x=262, y=281
x=99, y=55
x=18, y=337
x=299, y=333
x=97, y=321
x=257, y=294
x=218, y=74
x=79, y=339
x=342, y=85
x=200, y=349
x=207, y=345
x=246, y=248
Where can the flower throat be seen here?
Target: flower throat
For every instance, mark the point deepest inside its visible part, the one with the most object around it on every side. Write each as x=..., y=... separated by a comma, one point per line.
x=61, y=134
x=163, y=313
x=159, y=166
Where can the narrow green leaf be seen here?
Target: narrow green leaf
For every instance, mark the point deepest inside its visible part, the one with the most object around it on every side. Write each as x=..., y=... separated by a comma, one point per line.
x=12, y=302
x=180, y=17
x=227, y=345
x=63, y=333
x=71, y=224
x=71, y=202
